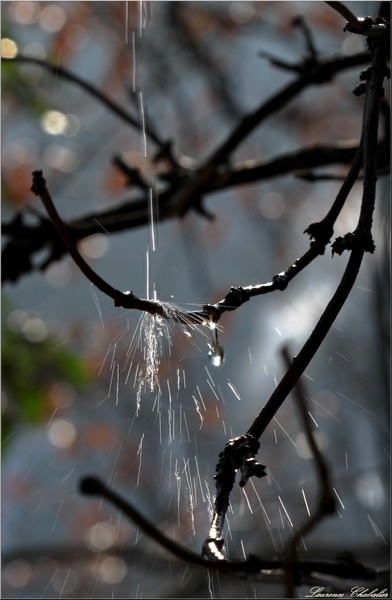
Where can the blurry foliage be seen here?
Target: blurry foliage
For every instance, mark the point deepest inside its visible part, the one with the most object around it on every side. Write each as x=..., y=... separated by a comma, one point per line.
x=29, y=368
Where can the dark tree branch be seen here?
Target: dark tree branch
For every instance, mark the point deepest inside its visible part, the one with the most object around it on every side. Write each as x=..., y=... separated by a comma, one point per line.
x=199, y=183
x=27, y=239
x=88, y=87
x=362, y=237
x=356, y=24
x=186, y=190
x=305, y=571
x=320, y=233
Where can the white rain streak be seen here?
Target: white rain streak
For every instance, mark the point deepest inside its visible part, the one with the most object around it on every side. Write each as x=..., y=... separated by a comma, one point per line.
x=68, y=475
x=356, y=404
x=142, y=16
x=209, y=377
x=210, y=506
x=285, y=432
x=64, y=584
x=51, y=418
x=306, y=502
x=191, y=494
x=126, y=23
x=198, y=411
x=199, y=479
x=376, y=529
x=247, y=500
x=281, y=517
x=267, y=520
x=114, y=471
x=170, y=416
x=178, y=481
x=150, y=342
x=286, y=513
x=57, y=516
x=141, y=106
x=97, y=305
x=152, y=219
x=324, y=409
x=233, y=389
x=250, y=357
x=117, y=383
x=212, y=389
x=260, y=502
x=342, y=356
x=346, y=460
x=201, y=397
x=148, y=273
x=140, y=455
x=338, y=497
x=186, y=427
x=100, y=225
x=133, y=62
x=313, y=419
x=243, y=549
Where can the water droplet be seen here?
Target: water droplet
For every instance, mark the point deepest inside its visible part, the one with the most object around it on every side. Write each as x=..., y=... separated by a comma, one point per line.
x=216, y=356
x=216, y=353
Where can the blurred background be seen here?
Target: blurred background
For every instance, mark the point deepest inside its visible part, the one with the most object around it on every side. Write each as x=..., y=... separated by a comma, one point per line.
x=70, y=360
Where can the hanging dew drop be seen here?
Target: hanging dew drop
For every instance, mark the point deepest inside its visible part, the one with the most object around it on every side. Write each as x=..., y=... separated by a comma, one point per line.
x=216, y=356
x=216, y=353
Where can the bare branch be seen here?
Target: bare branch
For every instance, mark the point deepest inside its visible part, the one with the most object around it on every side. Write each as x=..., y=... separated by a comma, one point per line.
x=363, y=232
x=254, y=567
x=355, y=23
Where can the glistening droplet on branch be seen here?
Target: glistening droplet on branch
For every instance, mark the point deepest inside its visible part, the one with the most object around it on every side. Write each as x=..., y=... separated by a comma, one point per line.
x=216, y=353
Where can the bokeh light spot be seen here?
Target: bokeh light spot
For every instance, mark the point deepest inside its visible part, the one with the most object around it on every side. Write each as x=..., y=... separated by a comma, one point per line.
x=302, y=446
x=61, y=433
x=9, y=49
x=94, y=246
x=60, y=158
x=54, y=122
x=72, y=127
x=112, y=570
x=24, y=13
x=35, y=330
x=52, y=18
x=101, y=536
x=61, y=394
x=370, y=490
x=17, y=573
x=272, y=206
x=58, y=274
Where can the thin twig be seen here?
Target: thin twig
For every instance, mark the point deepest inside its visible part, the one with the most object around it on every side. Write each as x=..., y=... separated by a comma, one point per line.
x=124, y=299
x=357, y=249
x=318, y=73
x=253, y=566
x=347, y=14
x=65, y=73
x=207, y=178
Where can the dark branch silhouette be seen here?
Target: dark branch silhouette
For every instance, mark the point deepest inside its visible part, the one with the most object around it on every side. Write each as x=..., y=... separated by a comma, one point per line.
x=363, y=242
x=186, y=185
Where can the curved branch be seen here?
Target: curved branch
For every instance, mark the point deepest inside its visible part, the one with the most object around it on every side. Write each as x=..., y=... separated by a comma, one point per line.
x=357, y=249
x=253, y=566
